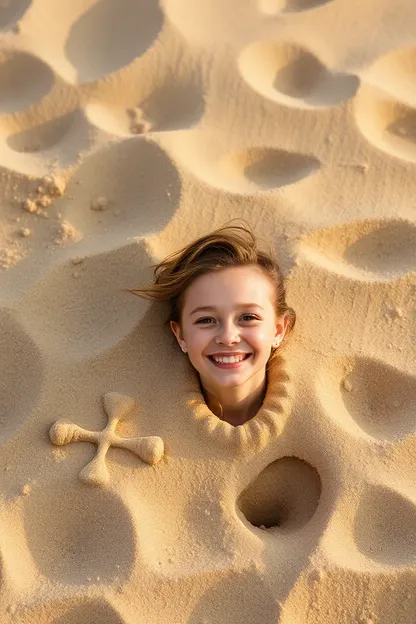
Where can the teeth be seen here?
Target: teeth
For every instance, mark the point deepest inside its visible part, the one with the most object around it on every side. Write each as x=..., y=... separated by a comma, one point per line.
x=229, y=360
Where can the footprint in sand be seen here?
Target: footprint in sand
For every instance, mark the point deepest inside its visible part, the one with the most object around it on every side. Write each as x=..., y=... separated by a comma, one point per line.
x=285, y=495
x=271, y=7
x=378, y=250
x=24, y=79
x=291, y=75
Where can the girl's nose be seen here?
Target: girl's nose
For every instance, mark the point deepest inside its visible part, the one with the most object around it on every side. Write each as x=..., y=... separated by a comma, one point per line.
x=227, y=334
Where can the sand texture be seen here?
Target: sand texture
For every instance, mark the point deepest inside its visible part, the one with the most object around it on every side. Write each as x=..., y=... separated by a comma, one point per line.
x=127, y=129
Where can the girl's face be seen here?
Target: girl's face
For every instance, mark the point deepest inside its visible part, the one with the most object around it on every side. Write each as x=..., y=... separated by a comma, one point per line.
x=229, y=312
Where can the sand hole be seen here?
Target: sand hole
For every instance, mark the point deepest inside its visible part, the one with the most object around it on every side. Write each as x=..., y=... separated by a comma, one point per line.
x=395, y=73
x=384, y=527
x=21, y=375
x=285, y=495
x=292, y=75
x=370, y=250
x=24, y=79
x=261, y=168
x=381, y=399
x=387, y=123
x=11, y=11
x=90, y=611
x=110, y=35
x=42, y=136
x=75, y=532
x=270, y=7
x=169, y=107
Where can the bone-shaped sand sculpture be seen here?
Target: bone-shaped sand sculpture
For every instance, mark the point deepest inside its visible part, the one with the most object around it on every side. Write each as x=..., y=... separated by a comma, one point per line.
x=117, y=406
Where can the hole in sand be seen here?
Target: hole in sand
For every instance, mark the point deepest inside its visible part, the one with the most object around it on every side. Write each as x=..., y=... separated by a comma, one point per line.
x=91, y=611
x=41, y=137
x=24, y=79
x=381, y=399
x=292, y=75
x=385, y=527
x=386, y=122
x=378, y=250
x=270, y=7
x=264, y=168
x=76, y=533
x=110, y=35
x=12, y=10
x=285, y=495
x=21, y=374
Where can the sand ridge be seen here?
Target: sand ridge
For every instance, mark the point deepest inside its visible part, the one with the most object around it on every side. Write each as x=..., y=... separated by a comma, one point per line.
x=126, y=130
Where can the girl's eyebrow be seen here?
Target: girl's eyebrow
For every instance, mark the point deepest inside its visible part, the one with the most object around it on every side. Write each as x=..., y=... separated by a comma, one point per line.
x=239, y=305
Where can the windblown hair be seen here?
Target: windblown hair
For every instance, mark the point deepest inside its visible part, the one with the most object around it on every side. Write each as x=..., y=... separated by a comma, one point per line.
x=228, y=246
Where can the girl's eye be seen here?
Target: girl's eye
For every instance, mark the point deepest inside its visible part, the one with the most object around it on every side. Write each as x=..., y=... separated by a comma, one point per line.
x=251, y=317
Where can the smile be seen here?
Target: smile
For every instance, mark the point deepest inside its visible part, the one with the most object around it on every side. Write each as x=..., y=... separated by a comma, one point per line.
x=230, y=364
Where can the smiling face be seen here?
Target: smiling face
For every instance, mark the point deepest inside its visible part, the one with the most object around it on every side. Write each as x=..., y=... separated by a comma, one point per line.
x=226, y=312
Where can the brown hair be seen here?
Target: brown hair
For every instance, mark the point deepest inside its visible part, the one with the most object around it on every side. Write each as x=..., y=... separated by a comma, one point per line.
x=228, y=246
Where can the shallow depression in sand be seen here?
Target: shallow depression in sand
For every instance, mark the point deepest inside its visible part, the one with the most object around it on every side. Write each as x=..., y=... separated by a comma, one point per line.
x=381, y=399
x=262, y=168
x=98, y=610
x=378, y=398
x=140, y=183
x=287, y=73
x=375, y=250
x=170, y=106
x=21, y=375
x=384, y=528
x=270, y=7
x=285, y=495
x=79, y=534
x=110, y=35
x=42, y=136
x=12, y=10
x=79, y=310
x=386, y=122
x=24, y=79
x=395, y=73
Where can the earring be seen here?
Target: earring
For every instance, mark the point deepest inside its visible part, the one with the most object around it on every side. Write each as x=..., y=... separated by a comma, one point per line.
x=184, y=349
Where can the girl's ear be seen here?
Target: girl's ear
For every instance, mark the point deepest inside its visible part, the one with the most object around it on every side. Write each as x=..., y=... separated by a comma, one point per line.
x=282, y=326
x=176, y=328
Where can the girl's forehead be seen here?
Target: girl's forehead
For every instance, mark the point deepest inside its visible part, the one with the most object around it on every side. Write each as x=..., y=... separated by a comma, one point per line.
x=230, y=283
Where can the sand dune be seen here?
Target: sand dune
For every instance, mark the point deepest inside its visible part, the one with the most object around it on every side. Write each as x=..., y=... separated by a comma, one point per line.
x=127, y=129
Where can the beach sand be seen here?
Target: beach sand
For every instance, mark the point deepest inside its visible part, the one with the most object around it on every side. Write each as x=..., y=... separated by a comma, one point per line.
x=129, y=128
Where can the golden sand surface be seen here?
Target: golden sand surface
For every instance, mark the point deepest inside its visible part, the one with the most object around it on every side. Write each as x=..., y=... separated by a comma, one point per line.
x=128, y=128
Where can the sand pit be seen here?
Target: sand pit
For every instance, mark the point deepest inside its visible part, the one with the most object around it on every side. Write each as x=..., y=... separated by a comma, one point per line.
x=128, y=129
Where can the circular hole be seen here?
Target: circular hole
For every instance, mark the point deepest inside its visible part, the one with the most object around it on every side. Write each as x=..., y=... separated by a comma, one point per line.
x=285, y=495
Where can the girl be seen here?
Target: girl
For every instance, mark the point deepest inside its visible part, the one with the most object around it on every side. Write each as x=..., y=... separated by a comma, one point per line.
x=228, y=314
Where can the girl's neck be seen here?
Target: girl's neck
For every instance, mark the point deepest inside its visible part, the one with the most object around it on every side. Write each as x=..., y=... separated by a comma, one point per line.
x=235, y=405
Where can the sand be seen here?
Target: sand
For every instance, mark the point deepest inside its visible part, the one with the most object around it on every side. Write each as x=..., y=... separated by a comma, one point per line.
x=129, y=128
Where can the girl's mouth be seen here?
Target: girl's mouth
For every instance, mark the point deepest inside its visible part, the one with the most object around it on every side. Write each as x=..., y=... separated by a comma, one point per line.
x=224, y=365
